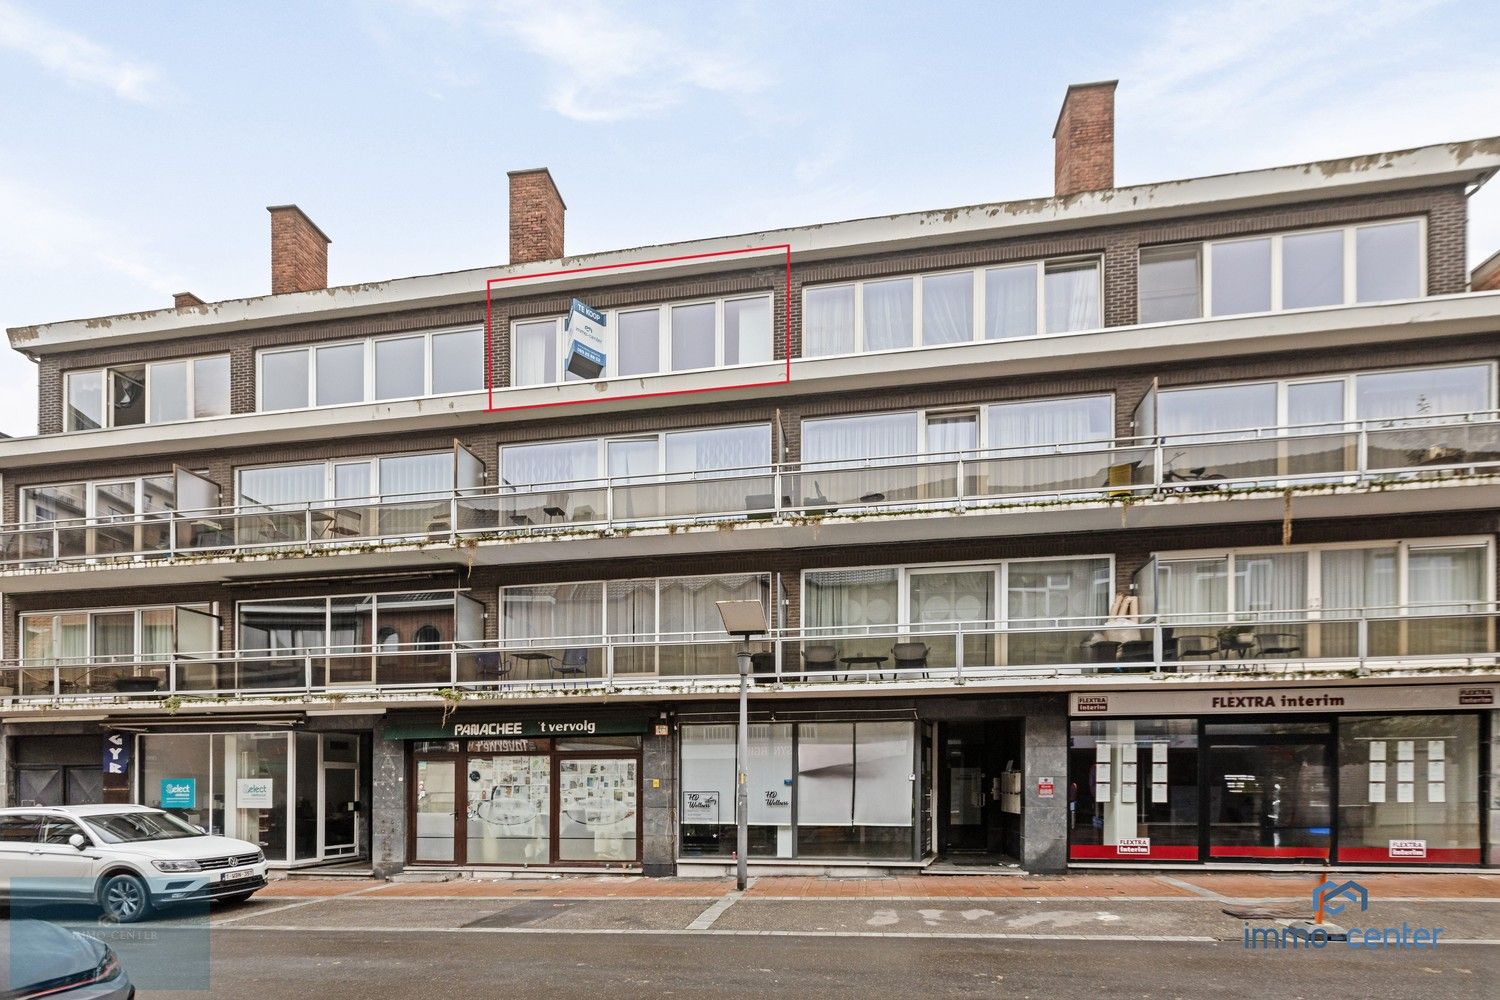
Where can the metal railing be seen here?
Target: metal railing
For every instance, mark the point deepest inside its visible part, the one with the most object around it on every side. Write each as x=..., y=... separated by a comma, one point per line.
x=1354, y=453
x=950, y=652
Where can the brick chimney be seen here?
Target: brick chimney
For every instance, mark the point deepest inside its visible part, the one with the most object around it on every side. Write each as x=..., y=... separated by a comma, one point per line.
x=299, y=251
x=536, y=216
x=1486, y=277
x=1084, y=139
x=186, y=300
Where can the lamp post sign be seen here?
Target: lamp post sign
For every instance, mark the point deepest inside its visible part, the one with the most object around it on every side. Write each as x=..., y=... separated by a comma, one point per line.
x=585, y=332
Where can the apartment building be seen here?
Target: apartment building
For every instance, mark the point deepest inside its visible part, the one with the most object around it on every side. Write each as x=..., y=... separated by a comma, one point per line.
x=1125, y=526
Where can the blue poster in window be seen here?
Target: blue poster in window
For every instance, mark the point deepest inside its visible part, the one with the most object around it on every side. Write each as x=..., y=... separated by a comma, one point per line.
x=179, y=793
x=585, y=332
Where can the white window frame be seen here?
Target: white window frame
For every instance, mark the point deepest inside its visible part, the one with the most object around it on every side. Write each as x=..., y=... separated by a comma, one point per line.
x=663, y=338
x=90, y=495
x=330, y=467
x=1205, y=255
x=983, y=412
x=1349, y=379
x=106, y=411
x=1314, y=582
x=311, y=350
x=998, y=568
x=602, y=448
x=977, y=319
x=137, y=652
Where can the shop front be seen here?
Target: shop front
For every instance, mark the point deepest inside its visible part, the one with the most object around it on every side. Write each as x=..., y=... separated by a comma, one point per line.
x=560, y=791
x=1318, y=775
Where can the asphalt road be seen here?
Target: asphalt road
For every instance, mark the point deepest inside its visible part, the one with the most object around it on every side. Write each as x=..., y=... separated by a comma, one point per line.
x=304, y=964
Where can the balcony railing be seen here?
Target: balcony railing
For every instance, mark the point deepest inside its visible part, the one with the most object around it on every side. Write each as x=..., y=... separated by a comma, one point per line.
x=1348, y=454
x=953, y=652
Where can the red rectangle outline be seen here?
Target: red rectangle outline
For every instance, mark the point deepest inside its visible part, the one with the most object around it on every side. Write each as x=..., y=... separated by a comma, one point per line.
x=489, y=350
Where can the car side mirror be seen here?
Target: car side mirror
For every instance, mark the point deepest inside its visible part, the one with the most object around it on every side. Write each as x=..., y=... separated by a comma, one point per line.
x=78, y=842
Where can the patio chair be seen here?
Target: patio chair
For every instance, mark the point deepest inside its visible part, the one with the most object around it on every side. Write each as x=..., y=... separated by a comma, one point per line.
x=910, y=656
x=1199, y=646
x=574, y=663
x=490, y=666
x=1280, y=644
x=820, y=658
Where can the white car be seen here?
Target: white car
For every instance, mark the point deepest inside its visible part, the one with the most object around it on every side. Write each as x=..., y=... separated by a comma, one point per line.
x=128, y=860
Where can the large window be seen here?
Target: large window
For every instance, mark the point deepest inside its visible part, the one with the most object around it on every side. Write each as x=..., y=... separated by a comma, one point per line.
x=1403, y=394
x=668, y=626
x=405, y=366
x=851, y=783
x=289, y=486
x=116, y=650
x=956, y=612
x=953, y=307
x=159, y=392
x=672, y=337
x=637, y=457
x=1377, y=262
x=1133, y=790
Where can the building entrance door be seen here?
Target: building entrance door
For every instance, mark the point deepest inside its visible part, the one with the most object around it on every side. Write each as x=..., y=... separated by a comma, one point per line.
x=1269, y=791
x=340, y=810
x=973, y=758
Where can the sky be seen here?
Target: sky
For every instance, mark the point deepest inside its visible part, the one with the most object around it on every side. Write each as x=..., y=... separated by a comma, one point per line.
x=140, y=142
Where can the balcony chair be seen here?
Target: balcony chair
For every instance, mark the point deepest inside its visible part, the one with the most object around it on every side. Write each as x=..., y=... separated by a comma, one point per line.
x=910, y=656
x=820, y=658
x=763, y=664
x=1197, y=646
x=1284, y=644
x=1143, y=650
x=490, y=667
x=574, y=663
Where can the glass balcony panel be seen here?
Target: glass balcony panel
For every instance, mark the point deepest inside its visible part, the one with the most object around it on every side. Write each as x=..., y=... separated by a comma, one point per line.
x=698, y=659
x=424, y=667
x=887, y=484
x=1041, y=475
x=1434, y=445
x=585, y=504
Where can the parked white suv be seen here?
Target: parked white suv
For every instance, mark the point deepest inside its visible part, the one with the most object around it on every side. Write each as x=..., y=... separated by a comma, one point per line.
x=126, y=859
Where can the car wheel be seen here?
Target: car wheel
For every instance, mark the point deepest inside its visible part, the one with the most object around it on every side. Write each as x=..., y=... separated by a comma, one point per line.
x=124, y=899
x=237, y=898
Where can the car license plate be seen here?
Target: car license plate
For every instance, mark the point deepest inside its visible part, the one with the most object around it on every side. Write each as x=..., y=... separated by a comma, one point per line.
x=236, y=874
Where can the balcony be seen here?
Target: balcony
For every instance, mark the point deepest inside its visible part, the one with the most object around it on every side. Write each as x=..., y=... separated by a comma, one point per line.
x=1391, y=464
x=1053, y=654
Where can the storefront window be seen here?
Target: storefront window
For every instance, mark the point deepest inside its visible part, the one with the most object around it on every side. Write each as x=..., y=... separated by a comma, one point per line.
x=708, y=791
x=1269, y=790
x=854, y=789
x=510, y=809
x=177, y=775
x=1133, y=789
x=597, y=809
x=1409, y=789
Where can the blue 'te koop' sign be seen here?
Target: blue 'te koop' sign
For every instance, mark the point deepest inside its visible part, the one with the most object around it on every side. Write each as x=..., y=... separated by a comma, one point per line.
x=179, y=793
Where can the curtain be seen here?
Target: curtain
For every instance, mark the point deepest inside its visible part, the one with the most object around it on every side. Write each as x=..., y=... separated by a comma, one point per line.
x=562, y=462
x=948, y=308
x=1038, y=426
x=1445, y=580
x=1268, y=585
x=1192, y=590
x=1424, y=393
x=690, y=621
x=1051, y=589
x=158, y=630
x=949, y=435
x=414, y=477
x=282, y=486
x=638, y=342
x=713, y=450
x=850, y=599
x=1010, y=302
x=535, y=359
x=851, y=439
x=553, y=611
x=1354, y=579
x=1072, y=297
x=827, y=321
x=888, y=314
x=1184, y=413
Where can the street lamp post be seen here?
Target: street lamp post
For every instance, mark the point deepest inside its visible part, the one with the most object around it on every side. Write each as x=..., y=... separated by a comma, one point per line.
x=743, y=619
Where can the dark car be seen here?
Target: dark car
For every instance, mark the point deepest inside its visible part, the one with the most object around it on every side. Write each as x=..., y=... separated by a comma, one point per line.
x=38, y=959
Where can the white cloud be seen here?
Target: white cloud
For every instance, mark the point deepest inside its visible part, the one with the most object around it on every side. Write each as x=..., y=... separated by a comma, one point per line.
x=603, y=63
x=73, y=56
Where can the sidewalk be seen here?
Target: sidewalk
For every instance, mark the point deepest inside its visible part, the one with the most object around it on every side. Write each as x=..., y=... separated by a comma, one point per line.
x=1415, y=886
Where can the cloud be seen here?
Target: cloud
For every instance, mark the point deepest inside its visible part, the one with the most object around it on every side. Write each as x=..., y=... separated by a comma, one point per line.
x=44, y=233
x=75, y=57
x=604, y=64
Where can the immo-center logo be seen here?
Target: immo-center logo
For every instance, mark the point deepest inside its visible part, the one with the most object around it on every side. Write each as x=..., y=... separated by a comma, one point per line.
x=1339, y=899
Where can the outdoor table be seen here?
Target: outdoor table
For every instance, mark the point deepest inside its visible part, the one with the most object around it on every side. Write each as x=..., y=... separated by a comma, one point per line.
x=850, y=661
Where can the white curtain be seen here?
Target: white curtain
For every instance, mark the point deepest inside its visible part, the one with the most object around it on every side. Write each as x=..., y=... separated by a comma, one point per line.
x=888, y=314
x=689, y=604
x=1038, y=426
x=948, y=308
x=535, y=359
x=1072, y=296
x=724, y=448
x=1049, y=589
x=851, y=439
x=1010, y=302
x=561, y=462
x=1192, y=589
x=1270, y=584
x=828, y=321
x=426, y=476
x=948, y=435
x=553, y=611
x=1446, y=579
x=1182, y=413
x=1427, y=393
x=850, y=599
x=287, y=485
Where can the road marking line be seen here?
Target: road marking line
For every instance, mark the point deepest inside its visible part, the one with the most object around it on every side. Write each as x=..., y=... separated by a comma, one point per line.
x=639, y=932
x=706, y=919
x=289, y=906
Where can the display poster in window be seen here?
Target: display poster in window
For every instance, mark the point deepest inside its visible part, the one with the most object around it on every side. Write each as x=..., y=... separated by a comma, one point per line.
x=179, y=793
x=585, y=330
x=254, y=793
x=700, y=807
